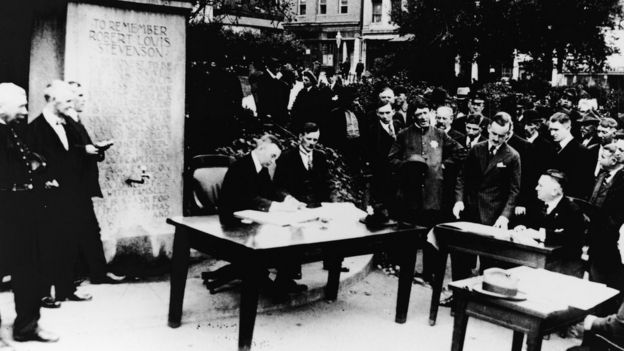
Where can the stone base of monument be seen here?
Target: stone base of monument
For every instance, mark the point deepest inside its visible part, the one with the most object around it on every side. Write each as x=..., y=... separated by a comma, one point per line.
x=200, y=305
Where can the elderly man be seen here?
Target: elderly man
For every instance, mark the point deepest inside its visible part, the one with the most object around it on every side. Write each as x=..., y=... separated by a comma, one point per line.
x=571, y=157
x=444, y=120
x=561, y=219
x=608, y=196
x=20, y=217
x=52, y=138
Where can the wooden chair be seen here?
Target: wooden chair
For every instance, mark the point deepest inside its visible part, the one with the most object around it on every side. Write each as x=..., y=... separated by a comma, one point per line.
x=205, y=175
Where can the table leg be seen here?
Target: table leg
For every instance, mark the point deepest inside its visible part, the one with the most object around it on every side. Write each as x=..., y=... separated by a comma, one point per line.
x=460, y=322
x=333, y=278
x=248, y=309
x=406, y=275
x=179, y=271
x=438, y=281
x=518, y=338
x=534, y=340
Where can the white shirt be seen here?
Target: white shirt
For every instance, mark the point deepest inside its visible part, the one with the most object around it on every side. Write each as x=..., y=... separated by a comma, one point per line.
x=550, y=205
x=389, y=128
x=495, y=148
x=532, y=138
x=563, y=143
x=256, y=162
x=57, y=124
x=597, y=169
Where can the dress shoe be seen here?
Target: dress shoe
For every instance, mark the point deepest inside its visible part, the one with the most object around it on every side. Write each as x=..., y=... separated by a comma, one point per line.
x=50, y=302
x=37, y=335
x=446, y=301
x=109, y=278
x=77, y=297
x=289, y=286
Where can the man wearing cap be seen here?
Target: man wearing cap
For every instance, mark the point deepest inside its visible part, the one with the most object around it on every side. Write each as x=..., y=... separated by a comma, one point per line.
x=20, y=217
x=588, y=125
x=571, y=157
x=476, y=105
x=345, y=128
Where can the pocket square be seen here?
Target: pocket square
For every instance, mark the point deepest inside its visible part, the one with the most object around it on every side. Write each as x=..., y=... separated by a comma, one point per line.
x=500, y=165
x=558, y=230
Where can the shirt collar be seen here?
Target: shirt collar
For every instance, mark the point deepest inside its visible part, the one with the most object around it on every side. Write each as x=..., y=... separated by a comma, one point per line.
x=496, y=147
x=2, y=121
x=51, y=118
x=256, y=162
x=532, y=138
x=552, y=204
x=304, y=152
x=563, y=143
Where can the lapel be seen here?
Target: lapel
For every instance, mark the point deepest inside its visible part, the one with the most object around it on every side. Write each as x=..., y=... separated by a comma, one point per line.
x=53, y=136
x=498, y=156
x=617, y=182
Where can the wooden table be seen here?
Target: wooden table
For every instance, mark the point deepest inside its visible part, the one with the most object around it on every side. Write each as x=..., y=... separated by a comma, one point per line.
x=546, y=309
x=449, y=239
x=253, y=247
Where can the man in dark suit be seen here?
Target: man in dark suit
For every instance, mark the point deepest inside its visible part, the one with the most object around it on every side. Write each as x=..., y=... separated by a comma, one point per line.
x=571, y=157
x=606, y=131
x=56, y=142
x=345, y=129
x=310, y=105
x=608, y=196
x=401, y=118
x=303, y=171
x=611, y=327
x=381, y=136
x=473, y=131
x=488, y=187
x=529, y=174
x=20, y=217
x=248, y=186
x=561, y=219
x=91, y=251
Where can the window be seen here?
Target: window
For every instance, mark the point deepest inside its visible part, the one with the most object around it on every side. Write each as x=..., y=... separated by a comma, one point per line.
x=302, y=7
x=344, y=6
x=376, y=11
x=322, y=7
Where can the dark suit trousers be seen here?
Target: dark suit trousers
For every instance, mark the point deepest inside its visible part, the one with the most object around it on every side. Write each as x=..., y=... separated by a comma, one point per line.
x=59, y=243
x=91, y=253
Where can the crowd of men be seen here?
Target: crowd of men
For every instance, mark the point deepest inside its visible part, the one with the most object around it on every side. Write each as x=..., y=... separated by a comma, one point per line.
x=438, y=158
x=48, y=175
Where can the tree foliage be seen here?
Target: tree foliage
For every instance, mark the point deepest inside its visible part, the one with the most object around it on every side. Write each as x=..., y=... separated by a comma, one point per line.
x=573, y=31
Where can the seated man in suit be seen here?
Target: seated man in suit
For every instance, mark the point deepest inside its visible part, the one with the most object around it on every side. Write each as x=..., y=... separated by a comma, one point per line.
x=611, y=327
x=562, y=221
x=248, y=186
x=302, y=171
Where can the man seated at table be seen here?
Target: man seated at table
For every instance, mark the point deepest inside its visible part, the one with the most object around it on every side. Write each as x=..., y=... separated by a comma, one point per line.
x=248, y=186
x=560, y=218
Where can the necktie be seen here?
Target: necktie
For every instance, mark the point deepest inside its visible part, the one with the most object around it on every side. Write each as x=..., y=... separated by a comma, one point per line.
x=558, y=147
x=391, y=130
x=309, y=161
x=491, y=152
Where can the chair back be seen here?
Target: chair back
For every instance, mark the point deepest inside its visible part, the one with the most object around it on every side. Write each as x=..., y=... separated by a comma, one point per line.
x=206, y=175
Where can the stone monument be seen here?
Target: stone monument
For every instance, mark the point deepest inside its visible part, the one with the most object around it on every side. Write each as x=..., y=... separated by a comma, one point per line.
x=129, y=55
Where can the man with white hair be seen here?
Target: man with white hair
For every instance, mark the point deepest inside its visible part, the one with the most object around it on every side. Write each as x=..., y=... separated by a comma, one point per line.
x=19, y=217
x=54, y=140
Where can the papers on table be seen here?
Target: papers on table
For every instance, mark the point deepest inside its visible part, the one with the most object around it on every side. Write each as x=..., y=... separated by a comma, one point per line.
x=481, y=229
x=560, y=291
x=327, y=211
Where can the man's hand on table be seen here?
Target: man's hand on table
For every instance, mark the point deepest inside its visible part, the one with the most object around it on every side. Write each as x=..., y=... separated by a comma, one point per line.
x=501, y=222
x=520, y=210
x=290, y=204
x=458, y=208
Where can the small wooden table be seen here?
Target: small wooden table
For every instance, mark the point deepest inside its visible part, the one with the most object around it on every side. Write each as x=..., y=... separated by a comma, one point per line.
x=253, y=247
x=547, y=307
x=478, y=242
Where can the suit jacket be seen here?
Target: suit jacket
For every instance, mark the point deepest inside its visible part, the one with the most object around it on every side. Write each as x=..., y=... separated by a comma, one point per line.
x=401, y=123
x=309, y=186
x=605, y=226
x=574, y=161
x=611, y=326
x=465, y=143
x=378, y=144
x=245, y=189
x=565, y=226
x=62, y=165
x=489, y=189
x=460, y=138
x=310, y=106
x=89, y=163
